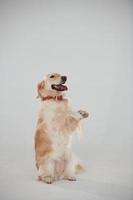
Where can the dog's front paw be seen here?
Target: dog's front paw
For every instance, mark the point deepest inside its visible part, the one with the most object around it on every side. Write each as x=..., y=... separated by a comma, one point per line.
x=46, y=179
x=84, y=114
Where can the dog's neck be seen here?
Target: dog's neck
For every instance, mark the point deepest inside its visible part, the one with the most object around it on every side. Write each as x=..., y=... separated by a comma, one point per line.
x=56, y=98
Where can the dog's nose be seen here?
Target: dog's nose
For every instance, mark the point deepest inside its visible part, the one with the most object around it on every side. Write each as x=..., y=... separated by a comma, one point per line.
x=63, y=78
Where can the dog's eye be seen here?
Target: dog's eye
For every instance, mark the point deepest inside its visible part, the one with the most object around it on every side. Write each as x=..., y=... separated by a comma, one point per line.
x=52, y=76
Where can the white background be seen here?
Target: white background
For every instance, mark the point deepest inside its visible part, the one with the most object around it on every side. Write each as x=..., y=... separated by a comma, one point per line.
x=91, y=43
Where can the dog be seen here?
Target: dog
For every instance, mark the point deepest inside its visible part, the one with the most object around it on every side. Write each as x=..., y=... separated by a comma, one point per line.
x=55, y=127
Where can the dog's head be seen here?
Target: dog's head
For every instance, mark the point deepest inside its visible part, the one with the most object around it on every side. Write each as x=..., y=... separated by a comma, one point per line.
x=52, y=85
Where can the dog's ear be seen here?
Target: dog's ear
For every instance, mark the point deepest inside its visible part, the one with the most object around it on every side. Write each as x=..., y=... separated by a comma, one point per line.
x=40, y=87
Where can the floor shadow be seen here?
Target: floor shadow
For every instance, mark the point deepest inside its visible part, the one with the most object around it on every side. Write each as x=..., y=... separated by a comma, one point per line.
x=100, y=190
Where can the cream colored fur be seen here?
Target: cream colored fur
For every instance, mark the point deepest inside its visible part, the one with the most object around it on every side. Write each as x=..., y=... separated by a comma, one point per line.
x=53, y=139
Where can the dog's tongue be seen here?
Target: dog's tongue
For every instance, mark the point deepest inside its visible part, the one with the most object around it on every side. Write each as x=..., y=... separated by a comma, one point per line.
x=59, y=87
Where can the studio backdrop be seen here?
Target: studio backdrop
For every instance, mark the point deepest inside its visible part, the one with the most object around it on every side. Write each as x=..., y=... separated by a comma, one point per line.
x=91, y=43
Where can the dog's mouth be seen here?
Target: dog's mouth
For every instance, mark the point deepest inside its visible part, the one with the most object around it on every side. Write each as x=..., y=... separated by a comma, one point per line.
x=59, y=87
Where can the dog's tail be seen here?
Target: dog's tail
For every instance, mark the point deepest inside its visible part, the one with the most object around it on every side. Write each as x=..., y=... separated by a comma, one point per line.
x=79, y=168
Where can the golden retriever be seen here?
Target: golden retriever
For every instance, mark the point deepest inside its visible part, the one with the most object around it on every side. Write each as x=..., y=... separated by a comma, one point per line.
x=55, y=127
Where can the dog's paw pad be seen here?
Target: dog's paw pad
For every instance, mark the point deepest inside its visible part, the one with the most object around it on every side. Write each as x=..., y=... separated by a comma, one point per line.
x=71, y=178
x=47, y=179
x=84, y=114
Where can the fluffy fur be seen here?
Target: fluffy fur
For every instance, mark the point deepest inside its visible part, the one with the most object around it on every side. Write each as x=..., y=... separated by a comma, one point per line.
x=55, y=127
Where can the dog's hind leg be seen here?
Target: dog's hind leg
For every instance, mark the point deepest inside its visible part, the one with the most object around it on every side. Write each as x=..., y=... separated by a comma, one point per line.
x=46, y=171
x=70, y=170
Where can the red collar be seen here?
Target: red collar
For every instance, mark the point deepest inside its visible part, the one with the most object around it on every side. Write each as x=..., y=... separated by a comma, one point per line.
x=57, y=98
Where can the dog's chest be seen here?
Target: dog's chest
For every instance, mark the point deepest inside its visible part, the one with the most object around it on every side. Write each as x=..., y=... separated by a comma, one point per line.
x=61, y=142
x=53, y=114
